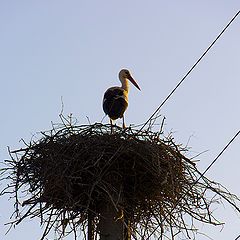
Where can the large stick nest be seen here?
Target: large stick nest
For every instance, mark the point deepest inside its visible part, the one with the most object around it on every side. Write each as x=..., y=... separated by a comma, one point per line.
x=72, y=171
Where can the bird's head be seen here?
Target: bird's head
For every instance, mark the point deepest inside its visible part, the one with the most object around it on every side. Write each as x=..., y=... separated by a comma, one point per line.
x=125, y=74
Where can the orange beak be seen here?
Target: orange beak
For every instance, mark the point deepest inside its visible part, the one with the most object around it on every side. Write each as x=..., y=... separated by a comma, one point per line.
x=130, y=78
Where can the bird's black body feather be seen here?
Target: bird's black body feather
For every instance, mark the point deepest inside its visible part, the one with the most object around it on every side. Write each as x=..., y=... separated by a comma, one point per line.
x=115, y=102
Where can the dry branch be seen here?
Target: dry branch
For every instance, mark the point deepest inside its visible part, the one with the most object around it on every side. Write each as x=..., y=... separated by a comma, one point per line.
x=72, y=171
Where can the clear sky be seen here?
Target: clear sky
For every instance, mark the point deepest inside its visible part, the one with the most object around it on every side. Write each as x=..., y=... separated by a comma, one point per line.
x=74, y=49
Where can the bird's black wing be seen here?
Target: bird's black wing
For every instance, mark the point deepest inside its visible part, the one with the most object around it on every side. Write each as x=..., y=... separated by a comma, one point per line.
x=114, y=103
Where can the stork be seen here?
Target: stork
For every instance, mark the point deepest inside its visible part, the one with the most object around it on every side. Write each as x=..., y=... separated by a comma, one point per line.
x=115, y=100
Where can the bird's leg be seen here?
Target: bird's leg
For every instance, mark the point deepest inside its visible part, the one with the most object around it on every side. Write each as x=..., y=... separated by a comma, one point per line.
x=124, y=126
x=127, y=229
x=111, y=122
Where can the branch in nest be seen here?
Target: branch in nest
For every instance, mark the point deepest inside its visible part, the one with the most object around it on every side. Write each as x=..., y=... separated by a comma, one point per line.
x=73, y=170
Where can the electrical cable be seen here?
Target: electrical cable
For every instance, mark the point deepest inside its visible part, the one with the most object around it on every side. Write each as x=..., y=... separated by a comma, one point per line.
x=191, y=69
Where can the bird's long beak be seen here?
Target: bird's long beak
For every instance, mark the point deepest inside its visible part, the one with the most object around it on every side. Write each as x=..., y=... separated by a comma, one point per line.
x=130, y=78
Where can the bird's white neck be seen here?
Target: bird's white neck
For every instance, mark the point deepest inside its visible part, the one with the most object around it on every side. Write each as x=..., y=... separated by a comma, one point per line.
x=125, y=84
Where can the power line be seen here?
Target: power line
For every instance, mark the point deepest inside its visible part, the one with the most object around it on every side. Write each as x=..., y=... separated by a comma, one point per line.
x=191, y=69
x=237, y=237
x=171, y=93
x=201, y=176
x=229, y=143
x=156, y=112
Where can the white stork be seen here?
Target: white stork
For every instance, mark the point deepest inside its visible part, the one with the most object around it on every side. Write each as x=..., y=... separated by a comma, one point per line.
x=115, y=100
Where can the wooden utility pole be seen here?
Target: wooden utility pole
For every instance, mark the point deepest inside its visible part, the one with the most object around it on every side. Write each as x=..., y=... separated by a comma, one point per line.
x=90, y=235
x=109, y=227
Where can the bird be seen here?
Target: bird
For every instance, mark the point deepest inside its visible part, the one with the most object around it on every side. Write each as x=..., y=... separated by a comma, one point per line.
x=115, y=99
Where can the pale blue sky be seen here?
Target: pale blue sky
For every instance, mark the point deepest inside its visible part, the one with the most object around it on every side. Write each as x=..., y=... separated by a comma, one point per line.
x=74, y=49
